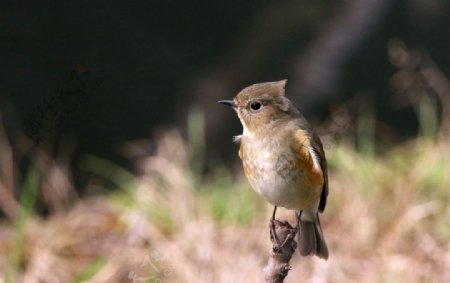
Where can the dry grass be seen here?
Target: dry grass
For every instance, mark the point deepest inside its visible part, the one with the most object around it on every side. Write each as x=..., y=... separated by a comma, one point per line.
x=387, y=221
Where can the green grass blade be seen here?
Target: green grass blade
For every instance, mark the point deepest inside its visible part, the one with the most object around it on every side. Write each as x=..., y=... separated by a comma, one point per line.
x=27, y=201
x=90, y=271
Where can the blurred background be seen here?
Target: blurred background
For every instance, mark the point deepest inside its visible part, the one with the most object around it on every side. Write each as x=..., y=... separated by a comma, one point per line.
x=117, y=163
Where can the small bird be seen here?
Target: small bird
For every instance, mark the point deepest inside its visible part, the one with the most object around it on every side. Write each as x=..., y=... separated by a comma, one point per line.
x=283, y=158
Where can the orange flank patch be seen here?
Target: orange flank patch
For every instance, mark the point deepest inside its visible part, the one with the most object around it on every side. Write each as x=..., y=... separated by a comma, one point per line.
x=302, y=146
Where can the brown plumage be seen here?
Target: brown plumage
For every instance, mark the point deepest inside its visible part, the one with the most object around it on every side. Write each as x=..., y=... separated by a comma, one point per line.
x=283, y=158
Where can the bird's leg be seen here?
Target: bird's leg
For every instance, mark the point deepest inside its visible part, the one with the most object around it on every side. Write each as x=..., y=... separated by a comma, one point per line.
x=274, y=213
x=293, y=230
x=282, y=226
x=299, y=215
x=288, y=237
x=273, y=232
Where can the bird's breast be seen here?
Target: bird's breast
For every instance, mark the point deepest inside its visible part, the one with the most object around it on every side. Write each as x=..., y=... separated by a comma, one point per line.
x=276, y=173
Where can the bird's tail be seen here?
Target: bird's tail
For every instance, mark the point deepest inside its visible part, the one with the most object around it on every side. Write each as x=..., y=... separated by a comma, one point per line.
x=311, y=240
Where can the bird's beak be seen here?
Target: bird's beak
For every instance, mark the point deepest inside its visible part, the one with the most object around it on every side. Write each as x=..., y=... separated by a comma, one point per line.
x=228, y=102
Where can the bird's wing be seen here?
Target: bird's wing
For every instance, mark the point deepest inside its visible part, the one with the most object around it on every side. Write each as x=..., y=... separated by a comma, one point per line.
x=318, y=148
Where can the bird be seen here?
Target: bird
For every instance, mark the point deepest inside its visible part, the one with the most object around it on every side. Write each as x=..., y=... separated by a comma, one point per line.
x=283, y=159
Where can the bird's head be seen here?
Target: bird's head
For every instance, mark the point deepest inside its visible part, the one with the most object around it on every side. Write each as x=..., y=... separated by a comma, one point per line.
x=261, y=105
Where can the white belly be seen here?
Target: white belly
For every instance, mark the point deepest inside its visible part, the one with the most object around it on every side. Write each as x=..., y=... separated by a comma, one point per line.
x=276, y=179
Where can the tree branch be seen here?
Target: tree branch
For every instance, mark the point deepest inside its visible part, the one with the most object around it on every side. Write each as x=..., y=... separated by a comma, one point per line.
x=283, y=247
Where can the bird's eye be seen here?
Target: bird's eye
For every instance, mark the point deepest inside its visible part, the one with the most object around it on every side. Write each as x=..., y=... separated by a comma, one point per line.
x=255, y=106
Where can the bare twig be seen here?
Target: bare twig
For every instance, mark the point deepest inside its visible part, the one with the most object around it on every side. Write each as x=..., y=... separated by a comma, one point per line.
x=283, y=247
